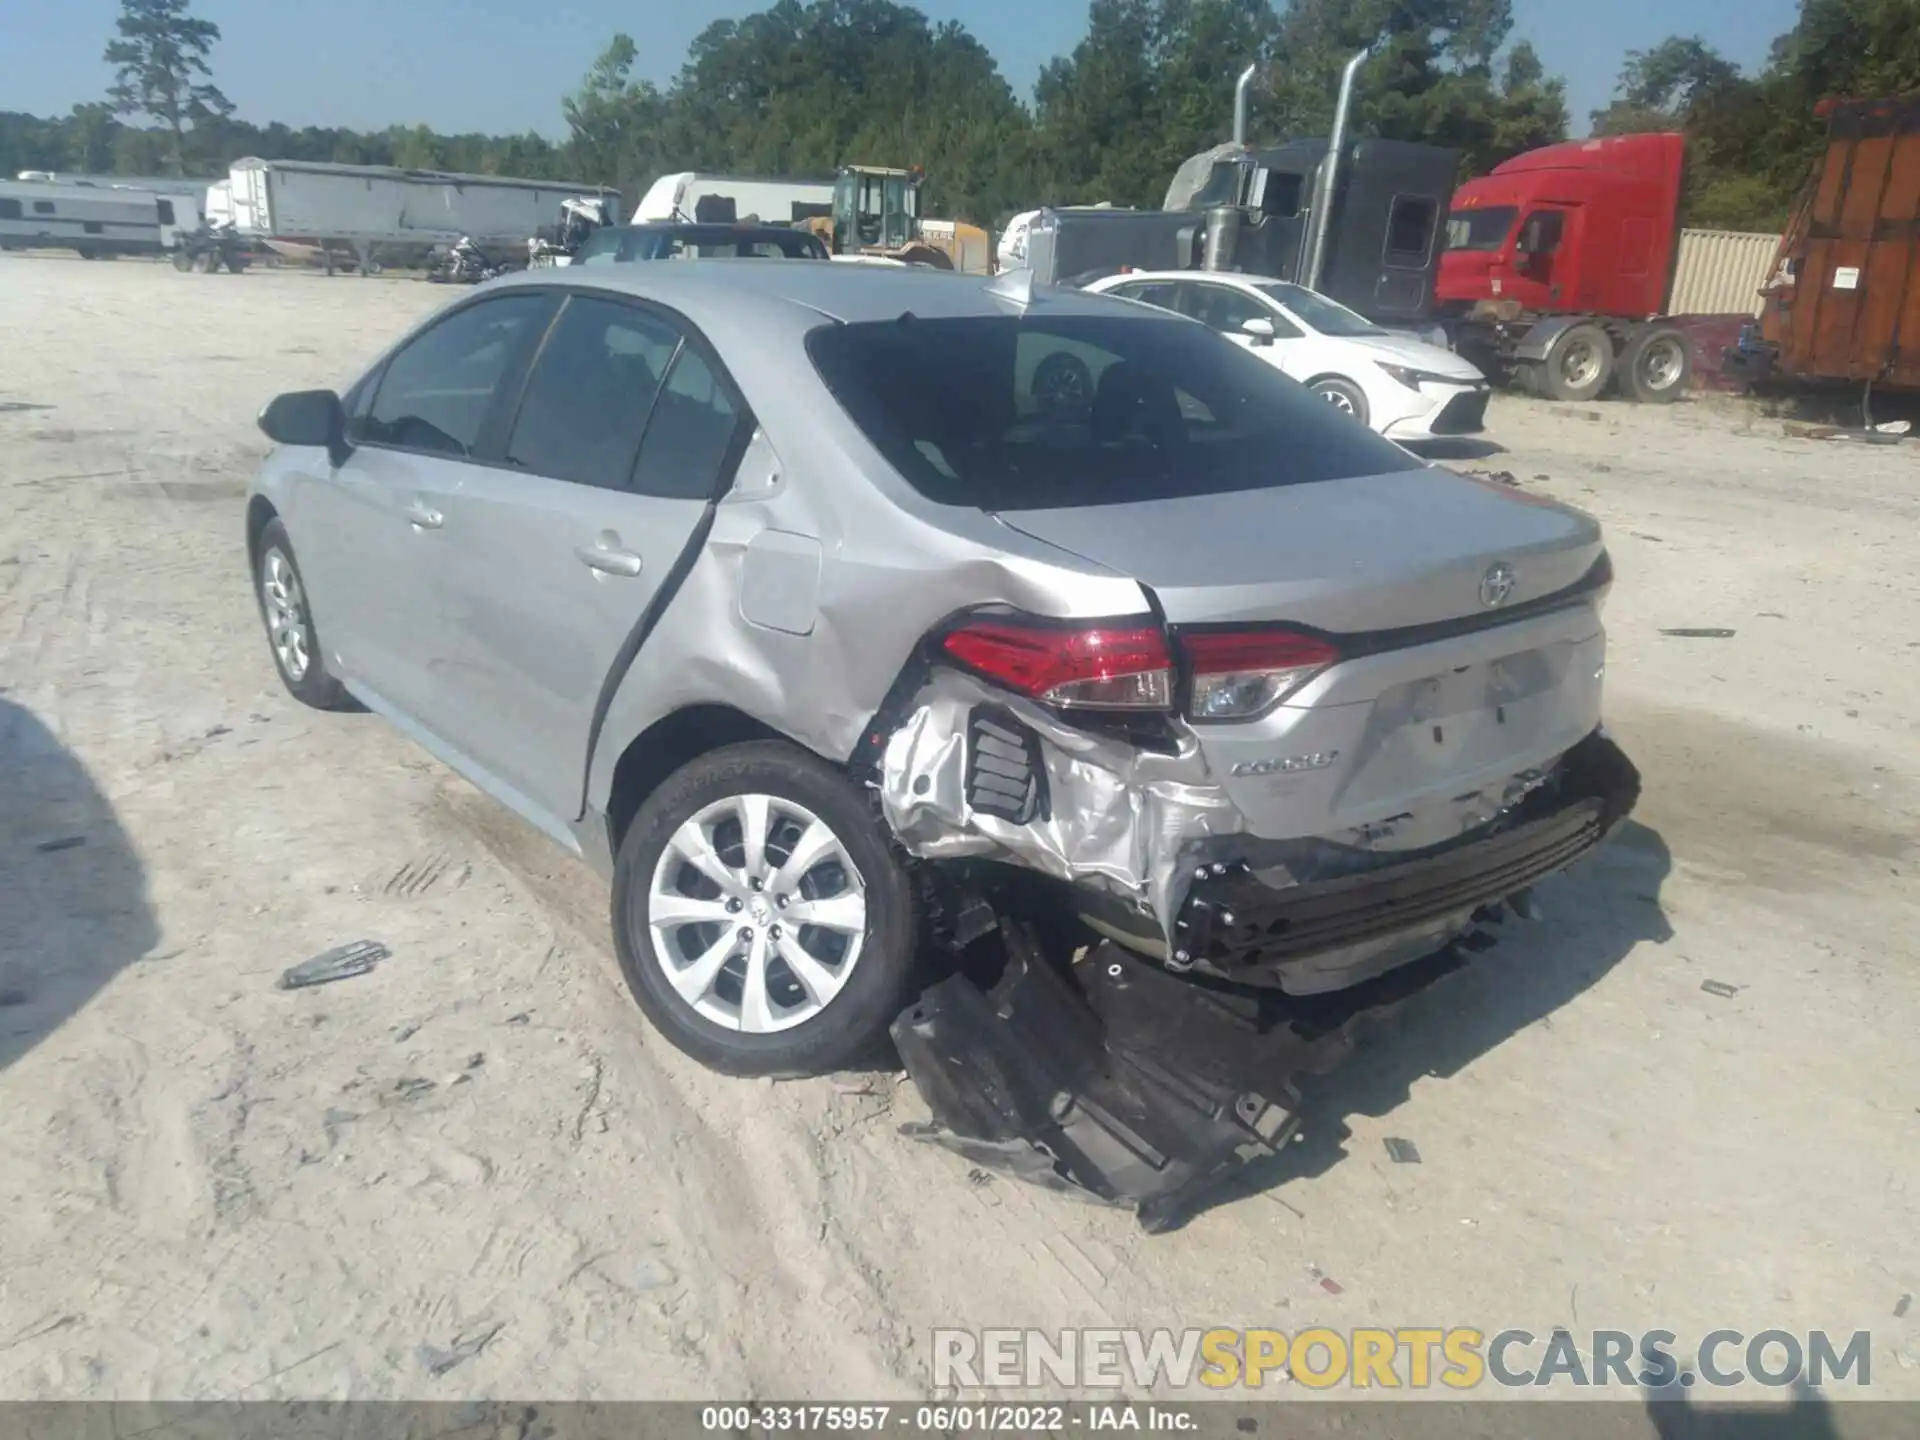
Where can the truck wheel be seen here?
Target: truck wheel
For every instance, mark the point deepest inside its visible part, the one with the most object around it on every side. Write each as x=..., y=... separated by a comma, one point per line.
x=1343, y=395
x=1657, y=365
x=760, y=916
x=1580, y=365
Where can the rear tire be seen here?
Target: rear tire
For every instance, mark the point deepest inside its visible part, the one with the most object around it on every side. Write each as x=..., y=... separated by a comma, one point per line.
x=1580, y=364
x=826, y=993
x=1657, y=366
x=1345, y=396
x=291, y=637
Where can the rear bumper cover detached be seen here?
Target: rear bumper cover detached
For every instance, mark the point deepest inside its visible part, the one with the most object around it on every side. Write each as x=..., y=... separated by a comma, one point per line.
x=1120, y=1078
x=1320, y=934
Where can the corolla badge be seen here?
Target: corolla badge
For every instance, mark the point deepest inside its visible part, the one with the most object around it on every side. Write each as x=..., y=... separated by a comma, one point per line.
x=1285, y=764
x=1496, y=586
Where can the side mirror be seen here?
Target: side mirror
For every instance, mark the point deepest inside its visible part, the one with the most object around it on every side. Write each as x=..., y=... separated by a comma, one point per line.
x=307, y=417
x=1260, y=328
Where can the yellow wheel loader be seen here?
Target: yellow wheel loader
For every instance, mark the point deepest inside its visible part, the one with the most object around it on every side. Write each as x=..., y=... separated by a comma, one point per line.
x=876, y=216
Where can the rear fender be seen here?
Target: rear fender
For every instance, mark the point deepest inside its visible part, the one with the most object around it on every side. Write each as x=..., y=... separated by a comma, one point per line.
x=802, y=615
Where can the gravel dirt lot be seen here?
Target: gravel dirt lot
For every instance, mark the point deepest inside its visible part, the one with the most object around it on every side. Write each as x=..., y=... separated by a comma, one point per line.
x=475, y=1172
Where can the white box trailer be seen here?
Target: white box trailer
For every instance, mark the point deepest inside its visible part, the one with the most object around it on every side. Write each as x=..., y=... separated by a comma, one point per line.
x=724, y=199
x=300, y=208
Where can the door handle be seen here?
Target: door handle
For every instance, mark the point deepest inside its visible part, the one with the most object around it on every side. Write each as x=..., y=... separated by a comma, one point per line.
x=608, y=559
x=425, y=517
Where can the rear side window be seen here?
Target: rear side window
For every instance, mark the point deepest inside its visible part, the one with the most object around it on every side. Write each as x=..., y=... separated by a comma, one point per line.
x=1161, y=296
x=1042, y=411
x=435, y=392
x=590, y=393
x=1225, y=309
x=1410, y=230
x=690, y=438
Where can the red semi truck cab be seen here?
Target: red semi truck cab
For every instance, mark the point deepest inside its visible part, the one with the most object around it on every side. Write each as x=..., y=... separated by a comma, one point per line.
x=1560, y=263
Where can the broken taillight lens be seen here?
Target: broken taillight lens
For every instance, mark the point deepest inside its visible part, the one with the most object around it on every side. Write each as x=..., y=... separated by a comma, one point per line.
x=1095, y=668
x=1240, y=674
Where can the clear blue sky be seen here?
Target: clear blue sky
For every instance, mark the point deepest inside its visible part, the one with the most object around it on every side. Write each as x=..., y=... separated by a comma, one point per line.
x=502, y=65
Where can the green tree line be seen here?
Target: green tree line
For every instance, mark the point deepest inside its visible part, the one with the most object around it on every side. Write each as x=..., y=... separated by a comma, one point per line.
x=800, y=88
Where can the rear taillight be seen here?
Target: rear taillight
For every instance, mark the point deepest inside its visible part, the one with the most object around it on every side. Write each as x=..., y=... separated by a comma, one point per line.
x=1239, y=674
x=1095, y=668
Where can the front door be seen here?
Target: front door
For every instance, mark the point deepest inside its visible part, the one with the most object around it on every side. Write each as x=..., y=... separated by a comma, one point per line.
x=1227, y=309
x=623, y=437
x=1546, y=259
x=368, y=536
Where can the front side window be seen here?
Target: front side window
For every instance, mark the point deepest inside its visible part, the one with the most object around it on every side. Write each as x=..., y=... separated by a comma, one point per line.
x=590, y=392
x=435, y=392
x=1223, y=308
x=1541, y=233
x=1010, y=413
x=1161, y=295
x=166, y=212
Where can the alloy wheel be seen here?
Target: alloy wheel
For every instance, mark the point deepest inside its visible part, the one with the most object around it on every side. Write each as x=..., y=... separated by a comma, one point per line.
x=757, y=913
x=286, y=606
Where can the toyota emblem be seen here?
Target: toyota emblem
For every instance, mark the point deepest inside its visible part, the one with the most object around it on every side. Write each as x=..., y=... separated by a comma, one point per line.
x=1496, y=586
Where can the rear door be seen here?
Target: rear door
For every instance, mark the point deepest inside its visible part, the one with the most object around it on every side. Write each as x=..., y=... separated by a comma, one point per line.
x=626, y=430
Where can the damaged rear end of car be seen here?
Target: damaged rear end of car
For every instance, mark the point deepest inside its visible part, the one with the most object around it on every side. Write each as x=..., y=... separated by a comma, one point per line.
x=1355, y=712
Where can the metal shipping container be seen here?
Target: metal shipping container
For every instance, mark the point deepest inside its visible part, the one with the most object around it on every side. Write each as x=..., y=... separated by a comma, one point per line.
x=1722, y=272
x=1845, y=304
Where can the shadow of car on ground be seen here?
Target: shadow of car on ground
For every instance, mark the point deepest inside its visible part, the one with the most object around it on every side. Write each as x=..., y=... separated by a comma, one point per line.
x=75, y=910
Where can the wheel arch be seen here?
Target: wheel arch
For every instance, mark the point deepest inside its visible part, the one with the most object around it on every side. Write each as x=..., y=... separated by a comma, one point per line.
x=683, y=735
x=260, y=514
x=1326, y=375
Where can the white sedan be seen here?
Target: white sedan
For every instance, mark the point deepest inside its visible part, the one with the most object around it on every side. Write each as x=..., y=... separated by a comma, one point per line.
x=1403, y=387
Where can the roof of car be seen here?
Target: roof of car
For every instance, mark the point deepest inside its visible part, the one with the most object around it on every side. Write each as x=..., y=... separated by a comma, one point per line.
x=1229, y=277
x=838, y=291
x=742, y=228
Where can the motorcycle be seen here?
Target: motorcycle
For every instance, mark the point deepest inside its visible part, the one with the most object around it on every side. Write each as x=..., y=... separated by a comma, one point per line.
x=464, y=264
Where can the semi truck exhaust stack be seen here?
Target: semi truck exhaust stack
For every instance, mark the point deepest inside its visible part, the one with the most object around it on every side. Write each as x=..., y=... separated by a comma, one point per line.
x=1240, y=103
x=1316, y=257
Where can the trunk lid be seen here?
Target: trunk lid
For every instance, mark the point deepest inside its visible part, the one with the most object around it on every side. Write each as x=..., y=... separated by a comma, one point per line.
x=1381, y=552
x=1399, y=744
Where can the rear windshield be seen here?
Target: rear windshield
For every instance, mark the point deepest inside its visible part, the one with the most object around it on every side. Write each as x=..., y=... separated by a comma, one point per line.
x=615, y=245
x=1007, y=413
